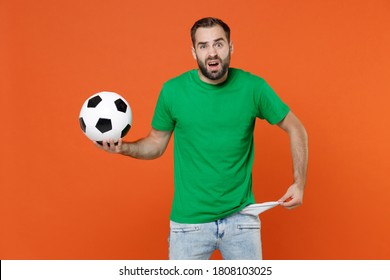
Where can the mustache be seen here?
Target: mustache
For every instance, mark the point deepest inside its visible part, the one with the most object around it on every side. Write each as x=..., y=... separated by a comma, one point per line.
x=215, y=57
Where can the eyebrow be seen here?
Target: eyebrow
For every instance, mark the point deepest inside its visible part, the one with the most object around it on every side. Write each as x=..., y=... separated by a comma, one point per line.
x=215, y=41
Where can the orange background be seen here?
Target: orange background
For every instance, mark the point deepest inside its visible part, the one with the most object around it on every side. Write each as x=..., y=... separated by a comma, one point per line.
x=61, y=198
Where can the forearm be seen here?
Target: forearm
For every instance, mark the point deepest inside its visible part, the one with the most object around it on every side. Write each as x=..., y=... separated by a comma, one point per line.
x=150, y=147
x=144, y=148
x=298, y=145
x=299, y=153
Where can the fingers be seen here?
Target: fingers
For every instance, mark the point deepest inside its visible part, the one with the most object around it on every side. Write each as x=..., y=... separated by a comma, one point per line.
x=118, y=146
x=291, y=204
x=284, y=198
x=292, y=198
x=109, y=146
x=287, y=197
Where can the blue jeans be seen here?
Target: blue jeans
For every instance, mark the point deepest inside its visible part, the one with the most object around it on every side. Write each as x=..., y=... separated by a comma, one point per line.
x=237, y=237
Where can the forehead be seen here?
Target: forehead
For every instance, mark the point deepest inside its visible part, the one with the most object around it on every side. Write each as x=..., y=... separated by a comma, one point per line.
x=209, y=34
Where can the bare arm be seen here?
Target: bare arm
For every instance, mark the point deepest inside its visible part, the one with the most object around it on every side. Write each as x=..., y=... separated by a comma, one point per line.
x=150, y=147
x=299, y=152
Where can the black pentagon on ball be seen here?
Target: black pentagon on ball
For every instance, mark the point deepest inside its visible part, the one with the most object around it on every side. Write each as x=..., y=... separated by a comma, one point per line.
x=104, y=125
x=121, y=105
x=82, y=125
x=94, y=101
x=125, y=130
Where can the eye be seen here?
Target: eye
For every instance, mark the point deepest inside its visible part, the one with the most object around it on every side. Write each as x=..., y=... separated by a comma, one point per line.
x=203, y=46
x=219, y=45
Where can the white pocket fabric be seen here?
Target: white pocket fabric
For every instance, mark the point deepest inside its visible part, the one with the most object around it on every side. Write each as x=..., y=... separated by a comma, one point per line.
x=256, y=209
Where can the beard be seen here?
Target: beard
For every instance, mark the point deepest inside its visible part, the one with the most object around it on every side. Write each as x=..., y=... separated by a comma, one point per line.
x=218, y=74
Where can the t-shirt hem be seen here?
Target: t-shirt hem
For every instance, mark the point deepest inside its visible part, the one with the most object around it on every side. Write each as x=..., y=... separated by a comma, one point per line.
x=162, y=128
x=201, y=221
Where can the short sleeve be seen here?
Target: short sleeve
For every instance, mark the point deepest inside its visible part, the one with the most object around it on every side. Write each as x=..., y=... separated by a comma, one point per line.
x=162, y=118
x=270, y=106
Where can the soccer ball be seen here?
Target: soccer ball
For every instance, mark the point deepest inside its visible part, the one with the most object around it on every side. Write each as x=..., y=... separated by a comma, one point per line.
x=104, y=116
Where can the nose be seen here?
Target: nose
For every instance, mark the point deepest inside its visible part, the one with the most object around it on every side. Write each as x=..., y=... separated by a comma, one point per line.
x=212, y=51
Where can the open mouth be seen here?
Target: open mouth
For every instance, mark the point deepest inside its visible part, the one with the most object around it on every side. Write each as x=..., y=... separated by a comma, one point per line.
x=213, y=64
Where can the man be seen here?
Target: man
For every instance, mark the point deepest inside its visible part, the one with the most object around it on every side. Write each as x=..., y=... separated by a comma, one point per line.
x=212, y=112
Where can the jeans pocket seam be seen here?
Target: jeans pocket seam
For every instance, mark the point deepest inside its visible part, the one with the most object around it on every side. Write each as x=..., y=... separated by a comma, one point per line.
x=185, y=229
x=248, y=226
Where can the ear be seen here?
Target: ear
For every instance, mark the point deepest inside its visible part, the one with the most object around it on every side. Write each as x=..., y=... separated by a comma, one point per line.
x=193, y=53
x=231, y=47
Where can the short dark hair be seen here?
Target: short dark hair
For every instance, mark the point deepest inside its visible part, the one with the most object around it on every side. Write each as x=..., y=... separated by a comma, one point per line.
x=209, y=22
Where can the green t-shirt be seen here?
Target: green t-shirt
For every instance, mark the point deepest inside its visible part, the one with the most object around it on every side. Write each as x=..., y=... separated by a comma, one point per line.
x=213, y=140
